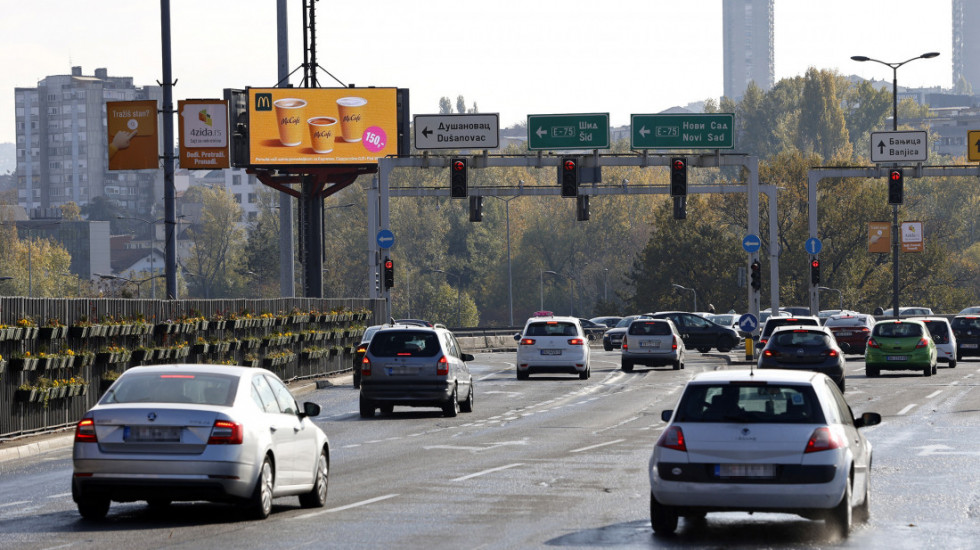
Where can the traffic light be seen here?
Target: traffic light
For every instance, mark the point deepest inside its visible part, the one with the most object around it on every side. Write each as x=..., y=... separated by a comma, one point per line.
x=896, y=186
x=457, y=178
x=389, y=273
x=476, y=208
x=756, y=275
x=678, y=176
x=582, y=208
x=569, y=176
x=815, y=271
x=680, y=207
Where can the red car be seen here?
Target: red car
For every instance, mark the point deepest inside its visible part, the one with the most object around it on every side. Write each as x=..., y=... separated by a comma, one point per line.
x=851, y=330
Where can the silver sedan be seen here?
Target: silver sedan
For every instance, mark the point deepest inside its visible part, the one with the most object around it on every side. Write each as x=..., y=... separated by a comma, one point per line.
x=198, y=432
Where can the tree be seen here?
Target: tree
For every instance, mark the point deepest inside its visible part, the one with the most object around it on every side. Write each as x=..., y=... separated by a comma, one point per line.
x=261, y=254
x=215, y=256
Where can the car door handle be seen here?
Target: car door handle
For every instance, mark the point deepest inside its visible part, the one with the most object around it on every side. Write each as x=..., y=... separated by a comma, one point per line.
x=273, y=429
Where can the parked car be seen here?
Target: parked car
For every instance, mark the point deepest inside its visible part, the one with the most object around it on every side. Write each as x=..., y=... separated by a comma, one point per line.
x=796, y=311
x=609, y=321
x=773, y=322
x=729, y=320
x=416, y=367
x=764, y=441
x=900, y=344
x=805, y=347
x=613, y=338
x=414, y=322
x=851, y=330
x=553, y=345
x=942, y=334
x=652, y=342
x=765, y=314
x=906, y=311
x=966, y=329
x=701, y=334
x=972, y=310
x=593, y=330
x=198, y=432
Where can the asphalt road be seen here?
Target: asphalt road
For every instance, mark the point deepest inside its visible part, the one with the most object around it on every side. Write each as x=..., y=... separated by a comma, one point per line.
x=549, y=462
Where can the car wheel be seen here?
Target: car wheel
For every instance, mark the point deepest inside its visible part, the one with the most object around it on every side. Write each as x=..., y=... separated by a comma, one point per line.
x=522, y=375
x=357, y=380
x=862, y=513
x=260, y=504
x=952, y=364
x=704, y=349
x=317, y=498
x=677, y=365
x=627, y=366
x=663, y=519
x=872, y=372
x=586, y=374
x=927, y=371
x=467, y=406
x=935, y=368
x=724, y=350
x=387, y=409
x=607, y=347
x=367, y=407
x=841, y=384
x=840, y=516
x=451, y=408
x=93, y=508
x=959, y=356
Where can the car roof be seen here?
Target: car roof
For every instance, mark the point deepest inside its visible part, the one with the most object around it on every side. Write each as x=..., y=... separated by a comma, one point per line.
x=561, y=318
x=809, y=328
x=754, y=375
x=231, y=370
x=932, y=319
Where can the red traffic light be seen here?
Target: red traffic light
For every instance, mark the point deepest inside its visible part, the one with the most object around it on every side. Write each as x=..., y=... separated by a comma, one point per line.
x=815, y=264
x=459, y=165
x=388, y=264
x=679, y=164
x=895, y=175
x=569, y=165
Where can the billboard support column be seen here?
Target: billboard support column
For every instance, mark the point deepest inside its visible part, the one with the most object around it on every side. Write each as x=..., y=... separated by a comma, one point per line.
x=311, y=237
x=169, y=193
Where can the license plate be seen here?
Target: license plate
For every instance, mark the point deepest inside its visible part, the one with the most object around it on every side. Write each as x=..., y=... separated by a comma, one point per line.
x=968, y=346
x=649, y=344
x=844, y=333
x=897, y=358
x=156, y=434
x=757, y=471
x=551, y=352
x=402, y=371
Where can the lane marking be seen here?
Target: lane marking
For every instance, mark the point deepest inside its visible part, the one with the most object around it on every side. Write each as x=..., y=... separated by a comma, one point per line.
x=589, y=448
x=490, y=471
x=18, y=503
x=906, y=409
x=348, y=507
x=934, y=394
x=60, y=495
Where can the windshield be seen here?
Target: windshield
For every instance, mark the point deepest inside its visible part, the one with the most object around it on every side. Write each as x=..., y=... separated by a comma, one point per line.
x=551, y=328
x=405, y=343
x=897, y=330
x=182, y=387
x=749, y=403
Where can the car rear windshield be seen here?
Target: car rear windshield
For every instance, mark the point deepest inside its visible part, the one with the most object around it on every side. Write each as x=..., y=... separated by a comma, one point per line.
x=964, y=323
x=801, y=338
x=938, y=330
x=649, y=328
x=774, y=322
x=406, y=343
x=551, y=328
x=750, y=403
x=175, y=387
x=847, y=321
x=897, y=330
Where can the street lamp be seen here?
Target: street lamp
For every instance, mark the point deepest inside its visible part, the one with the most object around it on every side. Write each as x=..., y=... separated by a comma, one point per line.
x=458, y=285
x=510, y=277
x=692, y=290
x=839, y=294
x=605, y=284
x=541, y=288
x=153, y=241
x=894, y=67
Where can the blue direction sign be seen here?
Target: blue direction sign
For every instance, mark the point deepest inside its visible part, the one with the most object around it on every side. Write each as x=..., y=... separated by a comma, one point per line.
x=748, y=322
x=813, y=245
x=386, y=239
x=751, y=243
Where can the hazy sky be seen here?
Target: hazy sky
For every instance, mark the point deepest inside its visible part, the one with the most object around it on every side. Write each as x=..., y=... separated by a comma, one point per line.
x=512, y=57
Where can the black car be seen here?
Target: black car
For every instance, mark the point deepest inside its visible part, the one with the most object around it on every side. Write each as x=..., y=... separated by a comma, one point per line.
x=804, y=347
x=593, y=330
x=966, y=328
x=773, y=323
x=699, y=333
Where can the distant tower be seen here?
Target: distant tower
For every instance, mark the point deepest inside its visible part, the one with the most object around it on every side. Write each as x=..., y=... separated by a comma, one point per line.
x=748, y=45
x=966, y=44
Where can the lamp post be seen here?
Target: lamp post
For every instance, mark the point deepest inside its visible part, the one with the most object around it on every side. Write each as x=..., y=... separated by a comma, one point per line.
x=839, y=294
x=153, y=241
x=458, y=285
x=692, y=290
x=510, y=277
x=605, y=284
x=541, y=288
x=894, y=68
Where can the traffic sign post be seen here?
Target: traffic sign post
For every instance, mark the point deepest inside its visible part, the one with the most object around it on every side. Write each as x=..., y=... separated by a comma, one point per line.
x=574, y=131
x=386, y=239
x=683, y=131
x=469, y=131
x=751, y=243
x=813, y=245
x=900, y=146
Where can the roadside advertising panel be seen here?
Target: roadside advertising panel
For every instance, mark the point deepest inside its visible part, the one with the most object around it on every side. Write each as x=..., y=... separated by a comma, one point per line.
x=912, y=240
x=318, y=126
x=879, y=237
x=203, y=130
x=132, y=132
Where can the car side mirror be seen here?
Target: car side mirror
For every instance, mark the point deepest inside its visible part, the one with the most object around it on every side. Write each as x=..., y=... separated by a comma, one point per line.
x=665, y=415
x=868, y=419
x=466, y=357
x=310, y=409
x=517, y=337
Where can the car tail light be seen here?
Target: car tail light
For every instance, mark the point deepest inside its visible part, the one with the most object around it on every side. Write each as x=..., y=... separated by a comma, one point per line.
x=85, y=431
x=527, y=342
x=771, y=353
x=625, y=345
x=672, y=438
x=362, y=348
x=225, y=432
x=923, y=343
x=673, y=342
x=823, y=439
x=365, y=367
x=872, y=343
x=829, y=353
x=763, y=341
x=576, y=342
x=442, y=367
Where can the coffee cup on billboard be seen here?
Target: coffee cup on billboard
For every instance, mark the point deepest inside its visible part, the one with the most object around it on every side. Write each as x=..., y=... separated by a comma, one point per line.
x=352, y=117
x=289, y=113
x=323, y=130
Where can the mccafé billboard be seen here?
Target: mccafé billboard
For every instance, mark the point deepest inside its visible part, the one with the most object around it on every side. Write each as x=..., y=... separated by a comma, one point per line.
x=317, y=126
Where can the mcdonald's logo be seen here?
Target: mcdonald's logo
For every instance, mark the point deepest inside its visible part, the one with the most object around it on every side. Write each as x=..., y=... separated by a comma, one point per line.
x=263, y=102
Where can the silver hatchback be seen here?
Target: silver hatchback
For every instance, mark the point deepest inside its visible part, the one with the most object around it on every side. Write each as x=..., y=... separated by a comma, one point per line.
x=417, y=367
x=652, y=342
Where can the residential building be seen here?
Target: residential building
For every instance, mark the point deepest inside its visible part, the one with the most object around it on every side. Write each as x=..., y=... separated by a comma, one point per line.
x=748, y=45
x=966, y=46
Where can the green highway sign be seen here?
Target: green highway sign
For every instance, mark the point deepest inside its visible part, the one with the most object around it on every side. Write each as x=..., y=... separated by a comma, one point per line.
x=578, y=131
x=683, y=131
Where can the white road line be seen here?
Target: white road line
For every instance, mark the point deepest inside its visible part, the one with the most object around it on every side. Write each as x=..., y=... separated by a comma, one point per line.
x=60, y=495
x=906, y=409
x=18, y=503
x=490, y=471
x=589, y=448
x=934, y=394
x=342, y=508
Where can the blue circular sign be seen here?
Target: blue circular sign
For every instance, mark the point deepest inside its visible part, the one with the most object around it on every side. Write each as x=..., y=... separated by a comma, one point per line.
x=748, y=322
x=813, y=245
x=386, y=239
x=751, y=243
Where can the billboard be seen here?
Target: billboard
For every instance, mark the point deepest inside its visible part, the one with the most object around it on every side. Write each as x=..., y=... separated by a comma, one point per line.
x=132, y=133
x=203, y=130
x=321, y=126
x=879, y=237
